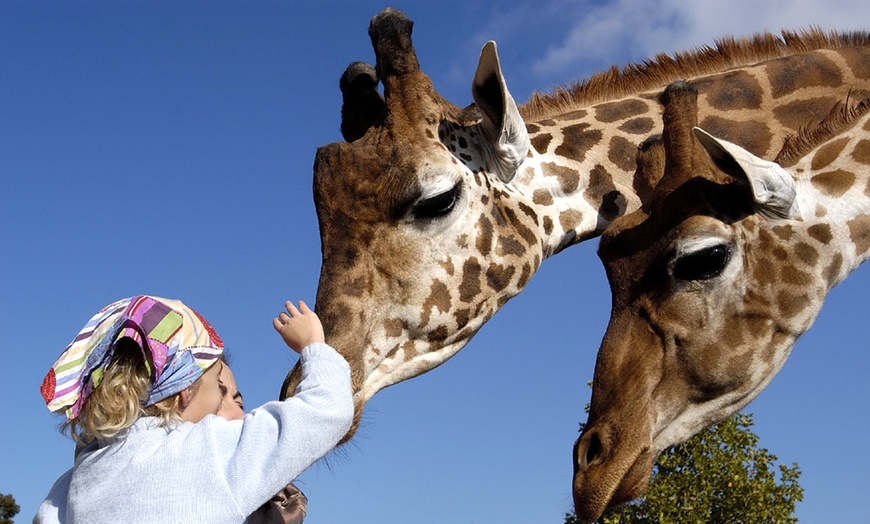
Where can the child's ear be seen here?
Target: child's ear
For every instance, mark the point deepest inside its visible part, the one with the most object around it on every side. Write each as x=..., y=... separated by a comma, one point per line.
x=184, y=398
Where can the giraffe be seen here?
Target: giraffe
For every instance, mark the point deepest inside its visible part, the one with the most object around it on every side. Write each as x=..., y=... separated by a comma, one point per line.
x=432, y=216
x=713, y=279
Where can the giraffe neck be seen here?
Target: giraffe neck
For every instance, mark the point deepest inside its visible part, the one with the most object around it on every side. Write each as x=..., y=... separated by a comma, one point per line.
x=581, y=166
x=833, y=192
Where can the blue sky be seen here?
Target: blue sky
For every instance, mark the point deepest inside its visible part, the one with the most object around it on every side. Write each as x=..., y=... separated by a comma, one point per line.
x=166, y=148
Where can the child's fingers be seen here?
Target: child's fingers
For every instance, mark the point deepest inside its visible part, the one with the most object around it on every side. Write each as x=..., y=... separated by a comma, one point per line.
x=277, y=324
x=303, y=307
x=291, y=308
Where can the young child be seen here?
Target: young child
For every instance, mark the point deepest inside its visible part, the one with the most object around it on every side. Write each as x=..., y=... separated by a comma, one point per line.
x=141, y=387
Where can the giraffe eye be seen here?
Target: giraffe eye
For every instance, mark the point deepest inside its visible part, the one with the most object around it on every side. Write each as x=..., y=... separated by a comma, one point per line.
x=438, y=205
x=704, y=264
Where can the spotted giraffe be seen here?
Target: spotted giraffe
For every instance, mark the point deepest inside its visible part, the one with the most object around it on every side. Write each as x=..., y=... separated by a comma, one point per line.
x=432, y=216
x=713, y=280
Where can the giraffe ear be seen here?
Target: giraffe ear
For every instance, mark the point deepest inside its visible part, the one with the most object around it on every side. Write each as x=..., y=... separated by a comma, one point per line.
x=502, y=125
x=773, y=188
x=361, y=105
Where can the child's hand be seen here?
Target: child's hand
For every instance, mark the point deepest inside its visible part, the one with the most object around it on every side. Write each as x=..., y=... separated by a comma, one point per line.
x=299, y=327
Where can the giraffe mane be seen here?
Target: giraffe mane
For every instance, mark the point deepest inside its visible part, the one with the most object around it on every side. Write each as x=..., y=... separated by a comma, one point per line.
x=727, y=53
x=841, y=116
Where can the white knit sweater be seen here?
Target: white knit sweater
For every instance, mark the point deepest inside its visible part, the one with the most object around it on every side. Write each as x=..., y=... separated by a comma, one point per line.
x=214, y=471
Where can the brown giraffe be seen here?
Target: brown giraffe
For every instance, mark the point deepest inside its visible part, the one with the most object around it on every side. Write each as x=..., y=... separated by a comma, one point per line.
x=433, y=216
x=713, y=280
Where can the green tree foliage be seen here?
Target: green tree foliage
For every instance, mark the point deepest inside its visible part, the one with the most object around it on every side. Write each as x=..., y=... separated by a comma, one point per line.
x=8, y=509
x=719, y=475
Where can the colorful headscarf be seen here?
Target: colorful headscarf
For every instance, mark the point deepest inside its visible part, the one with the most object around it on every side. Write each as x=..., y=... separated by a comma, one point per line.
x=178, y=343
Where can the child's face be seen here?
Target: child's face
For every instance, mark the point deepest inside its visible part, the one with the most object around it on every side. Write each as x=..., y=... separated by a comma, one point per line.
x=231, y=402
x=207, y=399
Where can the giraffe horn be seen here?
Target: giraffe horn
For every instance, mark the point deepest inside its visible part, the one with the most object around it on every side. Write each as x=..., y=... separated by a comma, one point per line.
x=680, y=100
x=390, y=31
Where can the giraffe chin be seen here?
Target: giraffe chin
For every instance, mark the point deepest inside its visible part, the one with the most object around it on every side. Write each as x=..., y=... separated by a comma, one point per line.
x=597, y=489
x=288, y=389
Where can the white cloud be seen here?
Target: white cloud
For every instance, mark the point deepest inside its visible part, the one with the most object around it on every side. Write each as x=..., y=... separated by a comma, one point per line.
x=623, y=31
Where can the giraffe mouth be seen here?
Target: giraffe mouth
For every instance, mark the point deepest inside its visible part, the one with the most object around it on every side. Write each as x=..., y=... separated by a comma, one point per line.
x=608, y=472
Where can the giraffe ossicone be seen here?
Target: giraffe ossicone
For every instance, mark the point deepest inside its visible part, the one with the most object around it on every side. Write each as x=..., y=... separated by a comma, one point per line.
x=713, y=279
x=432, y=216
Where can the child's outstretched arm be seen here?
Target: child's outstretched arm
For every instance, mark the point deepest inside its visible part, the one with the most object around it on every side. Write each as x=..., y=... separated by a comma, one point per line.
x=299, y=327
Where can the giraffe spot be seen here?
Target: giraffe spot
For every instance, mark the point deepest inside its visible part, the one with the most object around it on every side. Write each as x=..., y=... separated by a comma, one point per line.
x=438, y=299
x=525, y=275
x=430, y=134
x=796, y=277
x=528, y=211
x=791, y=304
x=834, y=183
x=548, y=225
x=447, y=265
x=438, y=334
x=577, y=140
x=484, y=236
x=796, y=114
x=622, y=153
x=857, y=61
x=806, y=253
x=780, y=254
x=542, y=142
x=498, y=277
x=532, y=128
x=616, y=111
x=573, y=115
x=861, y=153
x=461, y=316
x=569, y=179
x=462, y=241
x=509, y=246
x=570, y=219
x=542, y=197
x=612, y=206
x=757, y=326
x=519, y=227
x=469, y=286
x=859, y=232
x=828, y=153
x=732, y=91
x=393, y=327
x=548, y=123
x=638, y=126
x=831, y=273
x=821, y=233
x=755, y=136
x=783, y=232
x=602, y=193
x=795, y=72
x=765, y=272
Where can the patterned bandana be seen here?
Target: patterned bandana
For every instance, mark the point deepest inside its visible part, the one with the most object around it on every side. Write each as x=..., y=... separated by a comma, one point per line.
x=178, y=344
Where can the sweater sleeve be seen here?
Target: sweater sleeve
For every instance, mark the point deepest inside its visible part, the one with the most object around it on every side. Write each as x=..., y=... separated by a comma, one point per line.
x=274, y=443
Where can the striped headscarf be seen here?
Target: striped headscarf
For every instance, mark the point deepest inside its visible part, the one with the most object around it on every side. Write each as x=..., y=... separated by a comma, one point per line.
x=178, y=345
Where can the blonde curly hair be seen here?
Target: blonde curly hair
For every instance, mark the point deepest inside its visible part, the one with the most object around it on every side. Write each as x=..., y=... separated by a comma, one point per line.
x=118, y=401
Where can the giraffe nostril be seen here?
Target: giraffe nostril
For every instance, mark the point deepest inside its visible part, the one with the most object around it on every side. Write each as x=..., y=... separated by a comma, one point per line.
x=593, y=449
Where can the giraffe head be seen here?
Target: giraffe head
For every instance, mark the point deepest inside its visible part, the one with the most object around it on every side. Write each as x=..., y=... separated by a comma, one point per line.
x=712, y=282
x=421, y=239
